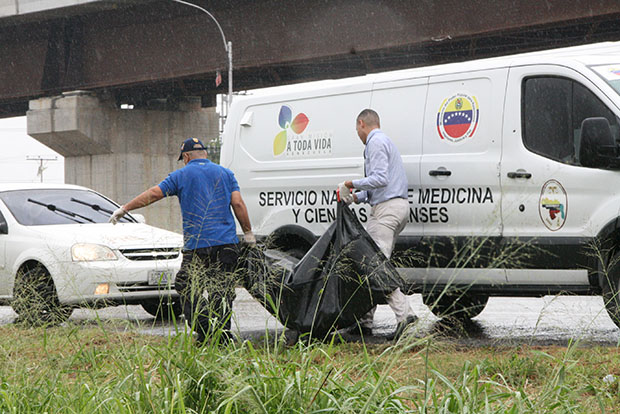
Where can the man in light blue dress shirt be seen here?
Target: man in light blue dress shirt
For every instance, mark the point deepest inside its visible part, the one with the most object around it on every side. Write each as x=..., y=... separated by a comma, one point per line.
x=384, y=187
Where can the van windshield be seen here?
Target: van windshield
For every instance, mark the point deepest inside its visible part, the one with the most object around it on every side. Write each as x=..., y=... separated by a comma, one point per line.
x=38, y=207
x=610, y=74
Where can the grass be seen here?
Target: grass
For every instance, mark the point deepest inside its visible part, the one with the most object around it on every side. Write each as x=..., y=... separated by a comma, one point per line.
x=111, y=368
x=71, y=369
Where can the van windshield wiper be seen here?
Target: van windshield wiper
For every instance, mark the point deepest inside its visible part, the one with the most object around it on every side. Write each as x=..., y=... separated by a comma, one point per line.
x=95, y=207
x=53, y=208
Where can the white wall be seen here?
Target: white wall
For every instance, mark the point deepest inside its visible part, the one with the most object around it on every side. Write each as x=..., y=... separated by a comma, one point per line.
x=16, y=145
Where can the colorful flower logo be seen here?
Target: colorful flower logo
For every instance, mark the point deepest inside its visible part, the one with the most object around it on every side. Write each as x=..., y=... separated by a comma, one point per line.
x=298, y=125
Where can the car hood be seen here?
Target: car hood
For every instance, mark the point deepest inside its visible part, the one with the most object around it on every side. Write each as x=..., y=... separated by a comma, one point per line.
x=119, y=236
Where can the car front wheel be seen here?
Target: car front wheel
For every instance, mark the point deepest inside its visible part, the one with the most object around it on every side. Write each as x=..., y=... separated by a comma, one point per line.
x=35, y=299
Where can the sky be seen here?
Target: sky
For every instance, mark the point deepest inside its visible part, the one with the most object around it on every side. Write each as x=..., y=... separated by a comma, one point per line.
x=16, y=146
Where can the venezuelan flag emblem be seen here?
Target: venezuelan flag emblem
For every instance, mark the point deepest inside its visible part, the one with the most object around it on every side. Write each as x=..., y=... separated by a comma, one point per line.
x=457, y=118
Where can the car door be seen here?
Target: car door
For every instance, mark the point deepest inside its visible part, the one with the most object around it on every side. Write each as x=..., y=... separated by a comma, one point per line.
x=552, y=205
x=459, y=197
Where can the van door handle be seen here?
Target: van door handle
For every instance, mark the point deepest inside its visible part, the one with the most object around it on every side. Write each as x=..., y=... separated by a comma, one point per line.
x=519, y=174
x=435, y=173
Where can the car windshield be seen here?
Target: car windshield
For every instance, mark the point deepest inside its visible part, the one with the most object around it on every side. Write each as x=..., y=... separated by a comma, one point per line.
x=39, y=207
x=609, y=73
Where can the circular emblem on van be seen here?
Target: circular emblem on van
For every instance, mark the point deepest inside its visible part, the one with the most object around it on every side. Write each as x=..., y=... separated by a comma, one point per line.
x=553, y=205
x=457, y=118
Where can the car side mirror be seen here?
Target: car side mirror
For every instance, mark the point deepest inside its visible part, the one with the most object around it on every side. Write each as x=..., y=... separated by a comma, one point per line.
x=4, y=227
x=597, y=146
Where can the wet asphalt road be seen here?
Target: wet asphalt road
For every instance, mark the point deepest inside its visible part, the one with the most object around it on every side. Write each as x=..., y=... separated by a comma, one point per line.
x=549, y=320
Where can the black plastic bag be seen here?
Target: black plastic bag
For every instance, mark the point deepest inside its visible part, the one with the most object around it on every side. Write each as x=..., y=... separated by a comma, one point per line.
x=338, y=280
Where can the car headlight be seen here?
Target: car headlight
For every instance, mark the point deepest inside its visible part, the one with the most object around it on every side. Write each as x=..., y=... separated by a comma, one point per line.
x=86, y=252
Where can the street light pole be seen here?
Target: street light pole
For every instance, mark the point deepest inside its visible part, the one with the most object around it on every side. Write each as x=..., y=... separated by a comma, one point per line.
x=230, y=77
x=227, y=47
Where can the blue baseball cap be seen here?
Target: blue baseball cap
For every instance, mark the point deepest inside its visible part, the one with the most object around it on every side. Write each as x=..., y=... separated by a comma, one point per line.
x=191, y=144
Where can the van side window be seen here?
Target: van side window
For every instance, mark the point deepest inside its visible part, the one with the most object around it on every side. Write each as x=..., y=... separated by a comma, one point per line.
x=553, y=109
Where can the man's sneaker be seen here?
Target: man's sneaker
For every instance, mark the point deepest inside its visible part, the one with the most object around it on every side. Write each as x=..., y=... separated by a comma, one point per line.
x=401, y=327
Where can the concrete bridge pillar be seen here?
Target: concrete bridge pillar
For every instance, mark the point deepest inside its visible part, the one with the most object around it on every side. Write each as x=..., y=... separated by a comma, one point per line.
x=120, y=152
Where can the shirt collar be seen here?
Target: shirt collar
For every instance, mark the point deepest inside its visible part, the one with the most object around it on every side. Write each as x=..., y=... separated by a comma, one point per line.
x=372, y=134
x=198, y=160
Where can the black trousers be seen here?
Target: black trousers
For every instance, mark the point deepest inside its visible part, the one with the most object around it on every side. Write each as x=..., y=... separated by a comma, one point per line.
x=206, y=284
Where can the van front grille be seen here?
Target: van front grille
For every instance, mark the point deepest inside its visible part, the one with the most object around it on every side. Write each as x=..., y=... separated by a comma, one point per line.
x=160, y=253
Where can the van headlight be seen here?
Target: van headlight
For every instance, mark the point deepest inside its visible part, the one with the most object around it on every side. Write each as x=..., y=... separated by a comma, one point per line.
x=86, y=252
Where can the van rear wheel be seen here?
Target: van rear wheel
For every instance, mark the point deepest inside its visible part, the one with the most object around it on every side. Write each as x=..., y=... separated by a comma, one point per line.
x=289, y=242
x=296, y=252
x=456, y=306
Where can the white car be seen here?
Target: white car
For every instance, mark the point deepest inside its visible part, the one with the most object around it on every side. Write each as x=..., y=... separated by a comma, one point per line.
x=58, y=252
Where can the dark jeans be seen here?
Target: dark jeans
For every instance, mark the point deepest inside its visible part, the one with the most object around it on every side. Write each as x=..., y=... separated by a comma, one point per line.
x=208, y=270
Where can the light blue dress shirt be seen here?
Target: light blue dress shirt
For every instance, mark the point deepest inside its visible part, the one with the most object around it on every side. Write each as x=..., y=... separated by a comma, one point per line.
x=385, y=174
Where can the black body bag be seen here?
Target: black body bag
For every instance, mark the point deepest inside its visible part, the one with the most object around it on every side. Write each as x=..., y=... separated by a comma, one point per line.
x=339, y=279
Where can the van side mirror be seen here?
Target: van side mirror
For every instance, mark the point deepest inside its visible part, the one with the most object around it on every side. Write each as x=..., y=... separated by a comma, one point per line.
x=597, y=148
x=4, y=227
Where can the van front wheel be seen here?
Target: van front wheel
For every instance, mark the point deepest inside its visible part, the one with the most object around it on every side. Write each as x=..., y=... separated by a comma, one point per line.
x=611, y=288
x=459, y=307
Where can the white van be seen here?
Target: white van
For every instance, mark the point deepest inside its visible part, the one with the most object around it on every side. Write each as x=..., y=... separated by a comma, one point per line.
x=514, y=180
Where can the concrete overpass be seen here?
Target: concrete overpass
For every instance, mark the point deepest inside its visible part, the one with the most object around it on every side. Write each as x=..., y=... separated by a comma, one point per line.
x=135, y=51
x=162, y=57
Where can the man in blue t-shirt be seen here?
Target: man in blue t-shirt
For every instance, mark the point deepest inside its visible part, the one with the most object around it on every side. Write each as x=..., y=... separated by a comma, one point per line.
x=206, y=193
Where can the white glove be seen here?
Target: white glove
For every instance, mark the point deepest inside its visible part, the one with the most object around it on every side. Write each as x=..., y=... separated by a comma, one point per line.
x=345, y=193
x=248, y=238
x=117, y=215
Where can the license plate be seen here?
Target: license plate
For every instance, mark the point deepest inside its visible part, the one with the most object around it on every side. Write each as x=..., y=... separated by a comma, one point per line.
x=160, y=277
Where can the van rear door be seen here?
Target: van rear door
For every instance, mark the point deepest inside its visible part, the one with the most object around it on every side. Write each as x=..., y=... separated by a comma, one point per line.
x=400, y=105
x=292, y=151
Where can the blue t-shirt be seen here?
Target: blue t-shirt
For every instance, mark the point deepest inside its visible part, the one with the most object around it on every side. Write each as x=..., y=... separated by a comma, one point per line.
x=204, y=189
